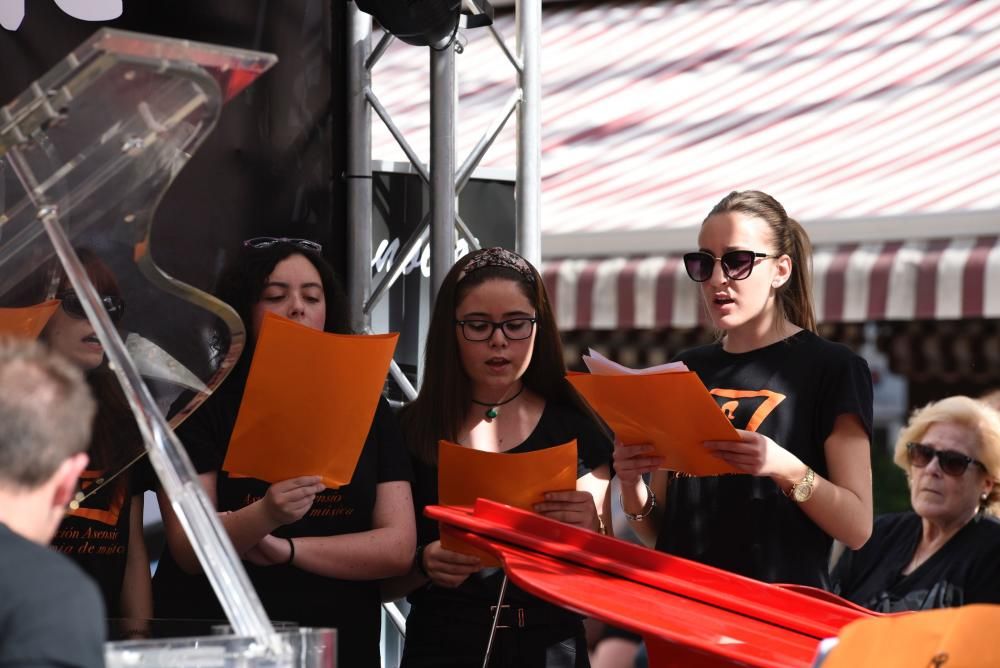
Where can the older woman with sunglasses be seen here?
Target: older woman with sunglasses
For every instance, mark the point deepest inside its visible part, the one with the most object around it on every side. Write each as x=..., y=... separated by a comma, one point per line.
x=802, y=407
x=946, y=552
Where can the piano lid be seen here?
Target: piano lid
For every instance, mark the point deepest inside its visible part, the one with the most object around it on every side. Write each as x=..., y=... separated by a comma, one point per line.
x=100, y=137
x=86, y=154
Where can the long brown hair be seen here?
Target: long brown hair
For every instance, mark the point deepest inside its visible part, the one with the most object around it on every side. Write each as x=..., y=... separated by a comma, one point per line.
x=444, y=398
x=795, y=296
x=116, y=440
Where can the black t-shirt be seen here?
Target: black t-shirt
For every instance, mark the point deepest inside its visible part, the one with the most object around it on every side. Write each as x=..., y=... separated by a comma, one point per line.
x=289, y=593
x=50, y=611
x=791, y=391
x=558, y=425
x=965, y=570
x=96, y=535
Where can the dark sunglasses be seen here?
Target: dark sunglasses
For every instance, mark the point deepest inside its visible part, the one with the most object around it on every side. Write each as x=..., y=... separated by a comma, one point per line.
x=736, y=264
x=265, y=242
x=113, y=304
x=951, y=462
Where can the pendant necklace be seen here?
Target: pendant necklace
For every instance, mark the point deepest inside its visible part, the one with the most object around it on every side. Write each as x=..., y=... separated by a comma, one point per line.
x=492, y=409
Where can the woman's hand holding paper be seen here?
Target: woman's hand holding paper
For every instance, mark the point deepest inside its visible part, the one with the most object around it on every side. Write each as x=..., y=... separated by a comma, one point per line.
x=572, y=507
x=446, y=568
x=288, y=500
x=632, y=461
x=755, y=454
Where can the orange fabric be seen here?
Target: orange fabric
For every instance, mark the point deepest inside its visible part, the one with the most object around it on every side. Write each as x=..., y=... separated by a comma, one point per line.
x=516, y=479
x=673, y=411
x=948, y=638
x=27, y=322
x=308, y=404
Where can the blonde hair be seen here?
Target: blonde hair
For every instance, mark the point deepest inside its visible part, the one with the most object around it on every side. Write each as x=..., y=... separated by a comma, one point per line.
x=968, y=412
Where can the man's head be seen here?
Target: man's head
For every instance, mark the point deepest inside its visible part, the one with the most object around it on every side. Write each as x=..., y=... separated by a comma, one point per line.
x=46, y=412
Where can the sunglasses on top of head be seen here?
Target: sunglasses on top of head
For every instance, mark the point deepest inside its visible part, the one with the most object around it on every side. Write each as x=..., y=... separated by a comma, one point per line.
x=71, y=306
x=267, y=242
x=951, y=462
x=736, y=264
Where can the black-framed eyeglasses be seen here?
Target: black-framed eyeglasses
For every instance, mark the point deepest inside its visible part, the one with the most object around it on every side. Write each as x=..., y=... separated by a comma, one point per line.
x=265, y=242
x=113, y=304
x=951, y=462
x=515, y=329
x=736, y=264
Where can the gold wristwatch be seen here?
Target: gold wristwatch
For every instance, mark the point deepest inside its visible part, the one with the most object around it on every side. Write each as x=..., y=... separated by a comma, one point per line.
x=801, y=491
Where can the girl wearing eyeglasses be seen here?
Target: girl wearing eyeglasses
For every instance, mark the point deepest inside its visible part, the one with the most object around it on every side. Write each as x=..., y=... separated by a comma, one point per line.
x=103, y=527
x=494, y=380
x=313, y=554
x=946, y=551
x=802, y=407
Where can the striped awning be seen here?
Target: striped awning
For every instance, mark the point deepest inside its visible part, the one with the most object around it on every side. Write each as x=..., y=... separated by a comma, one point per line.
x=652, y=110
x=941, y=279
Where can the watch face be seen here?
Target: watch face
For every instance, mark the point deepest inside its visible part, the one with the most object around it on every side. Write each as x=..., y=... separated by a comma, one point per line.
x=802, y=491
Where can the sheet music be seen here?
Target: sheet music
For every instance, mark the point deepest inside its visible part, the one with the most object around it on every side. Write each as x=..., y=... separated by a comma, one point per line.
x=600, y=365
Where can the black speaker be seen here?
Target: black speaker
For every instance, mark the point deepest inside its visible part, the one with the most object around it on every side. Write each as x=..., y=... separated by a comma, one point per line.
x=419, y=22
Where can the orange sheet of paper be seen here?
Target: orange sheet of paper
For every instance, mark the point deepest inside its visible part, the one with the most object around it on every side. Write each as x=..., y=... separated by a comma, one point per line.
x=27, y=322
x=517, y=479
x=962, y=636
x=308, y=403
x=672, y=411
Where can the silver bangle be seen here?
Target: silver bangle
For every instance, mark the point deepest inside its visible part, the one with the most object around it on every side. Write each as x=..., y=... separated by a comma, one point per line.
x=646, y=509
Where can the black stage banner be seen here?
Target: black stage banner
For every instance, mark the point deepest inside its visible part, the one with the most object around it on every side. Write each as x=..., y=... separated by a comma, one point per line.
x=272, y=165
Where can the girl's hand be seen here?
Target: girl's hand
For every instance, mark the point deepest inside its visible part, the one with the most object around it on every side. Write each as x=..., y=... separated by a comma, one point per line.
x=572, y=507
x=289, y=500
x=755, y=454
x=631, y=461
x=446, y=568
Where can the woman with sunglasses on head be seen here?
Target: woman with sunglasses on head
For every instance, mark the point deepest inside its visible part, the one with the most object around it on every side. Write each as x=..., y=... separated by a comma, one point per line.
x=946, y=552
x=103, y=527
x=802, y=407
x=494, y=381
x=313, y=554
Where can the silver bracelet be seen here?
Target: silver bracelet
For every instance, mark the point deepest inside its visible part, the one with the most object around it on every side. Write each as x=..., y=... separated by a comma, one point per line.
x=646, y=509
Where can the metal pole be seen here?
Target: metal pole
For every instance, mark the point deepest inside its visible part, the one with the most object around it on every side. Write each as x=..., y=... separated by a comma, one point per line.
x=359, y=167
x=443, y=200
x=528, y=188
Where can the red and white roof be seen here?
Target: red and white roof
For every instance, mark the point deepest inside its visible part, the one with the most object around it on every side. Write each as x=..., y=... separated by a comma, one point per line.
x=944, y=279
x=867, y=110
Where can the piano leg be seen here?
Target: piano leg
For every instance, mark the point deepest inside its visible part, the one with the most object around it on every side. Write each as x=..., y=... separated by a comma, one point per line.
x=496, y=620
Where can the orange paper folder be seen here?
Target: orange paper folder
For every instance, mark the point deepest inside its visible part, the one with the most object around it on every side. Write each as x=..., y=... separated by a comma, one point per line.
x=948, y=637
x=308, y=403
x=672, y=411
x=517, y=479
x=27, y=322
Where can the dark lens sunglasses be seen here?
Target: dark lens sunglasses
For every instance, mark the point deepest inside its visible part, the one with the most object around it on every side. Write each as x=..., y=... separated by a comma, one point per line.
x=736, y=264
x=265, y=242
x=113, y=304
x=951, y=462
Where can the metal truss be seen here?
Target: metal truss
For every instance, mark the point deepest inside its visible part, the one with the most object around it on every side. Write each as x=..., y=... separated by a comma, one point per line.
x=445, y=180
